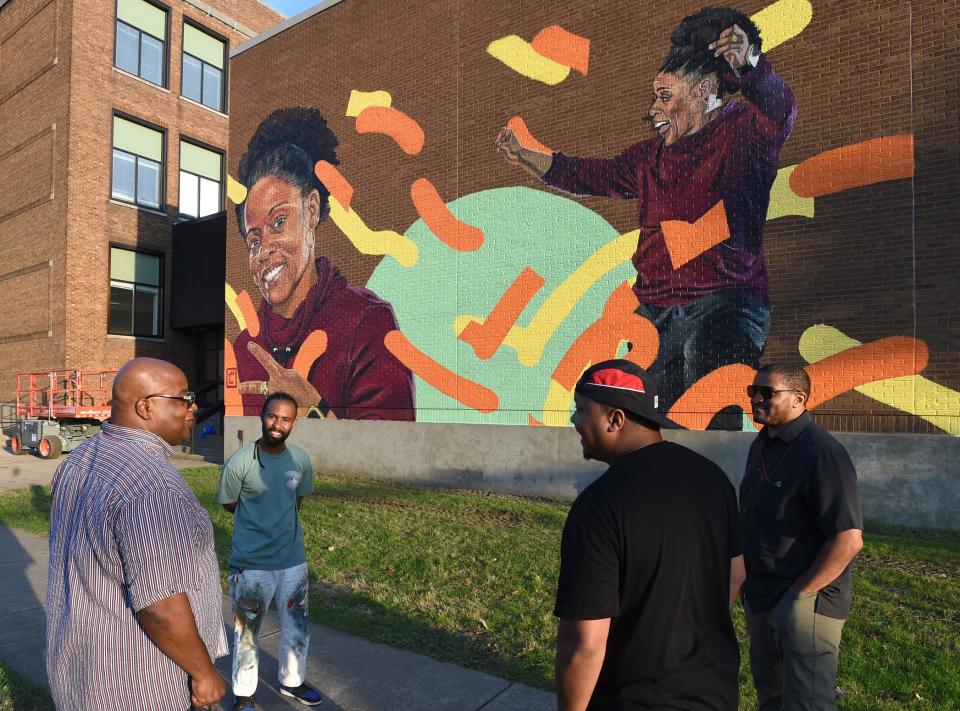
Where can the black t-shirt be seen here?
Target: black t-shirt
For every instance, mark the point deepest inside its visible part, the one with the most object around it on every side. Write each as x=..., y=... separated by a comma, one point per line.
x=649, y=544
x=799, y=490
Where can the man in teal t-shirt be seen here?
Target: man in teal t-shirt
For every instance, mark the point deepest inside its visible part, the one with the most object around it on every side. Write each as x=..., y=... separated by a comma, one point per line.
x=263, y=485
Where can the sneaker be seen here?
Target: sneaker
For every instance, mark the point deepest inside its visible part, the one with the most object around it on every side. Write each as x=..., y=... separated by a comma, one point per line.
x=306, y=695
x=244, y=703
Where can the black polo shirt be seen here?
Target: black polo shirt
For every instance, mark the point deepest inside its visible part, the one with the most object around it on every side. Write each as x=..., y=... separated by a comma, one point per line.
x=798, y=491
x=649, y=544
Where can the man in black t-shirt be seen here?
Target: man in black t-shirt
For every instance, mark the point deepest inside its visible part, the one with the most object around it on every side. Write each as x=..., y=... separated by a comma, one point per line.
x=650, y=562
x=802, y=528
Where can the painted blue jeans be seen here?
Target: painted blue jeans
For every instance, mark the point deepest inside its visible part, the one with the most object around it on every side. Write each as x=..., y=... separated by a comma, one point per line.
x=251, y=592
x=724, y=327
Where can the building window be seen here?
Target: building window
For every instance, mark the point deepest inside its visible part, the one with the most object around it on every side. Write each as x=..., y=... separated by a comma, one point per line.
x=136, y=293
x=204, y=58
x=137, y=163
x=200, y=181
x=141, y=40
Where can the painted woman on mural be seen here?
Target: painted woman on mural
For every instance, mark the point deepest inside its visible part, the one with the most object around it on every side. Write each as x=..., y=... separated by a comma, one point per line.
x=356, y=377
x=714, y=309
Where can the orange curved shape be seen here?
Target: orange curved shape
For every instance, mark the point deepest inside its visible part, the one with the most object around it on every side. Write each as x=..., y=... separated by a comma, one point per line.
x=891, y=357
x=686, y=240
x=464, y=391
x=725, y=386
x=437, y=216
x=520, y=130
x=232, y=399
x=333, y=180
x=601, y=339
x=312, y=348
x=245, y=304
x=387, y=120
x=563, y=47
x=485, y=338
x=853, y=166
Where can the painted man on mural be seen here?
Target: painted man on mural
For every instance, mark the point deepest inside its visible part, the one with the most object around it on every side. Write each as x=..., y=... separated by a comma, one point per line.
x=714, y=309
x=356, y=377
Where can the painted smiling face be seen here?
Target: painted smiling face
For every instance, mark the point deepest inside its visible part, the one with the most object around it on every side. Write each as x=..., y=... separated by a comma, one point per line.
x=281, y=225
x=680, y=105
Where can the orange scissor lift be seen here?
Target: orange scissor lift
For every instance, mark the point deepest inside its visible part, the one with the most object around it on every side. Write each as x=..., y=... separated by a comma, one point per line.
x=59, y=409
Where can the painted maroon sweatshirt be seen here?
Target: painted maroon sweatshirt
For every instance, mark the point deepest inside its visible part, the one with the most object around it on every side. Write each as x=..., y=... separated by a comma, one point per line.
x=356, y=375
x=733, y=158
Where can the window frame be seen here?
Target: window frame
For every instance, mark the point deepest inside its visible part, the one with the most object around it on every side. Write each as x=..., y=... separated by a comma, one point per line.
x=165, y=63
x=223, y=177
x=224, y=81
x=163, y=162
x=161, y=289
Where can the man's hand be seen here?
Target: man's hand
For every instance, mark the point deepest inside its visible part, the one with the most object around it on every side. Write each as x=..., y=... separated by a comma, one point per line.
x=280, y=379
x=206, y=690
x=735, y=47
x=509, y=146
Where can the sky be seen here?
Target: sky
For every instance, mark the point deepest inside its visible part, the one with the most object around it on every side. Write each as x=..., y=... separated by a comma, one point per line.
x=290, y=7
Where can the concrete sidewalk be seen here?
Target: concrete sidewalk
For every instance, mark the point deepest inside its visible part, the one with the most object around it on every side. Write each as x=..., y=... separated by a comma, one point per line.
x=351, y=673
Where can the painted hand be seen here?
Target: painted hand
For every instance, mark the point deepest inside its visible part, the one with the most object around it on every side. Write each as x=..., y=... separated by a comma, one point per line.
x=280, y=379
x=735, y=47
x=508, y=145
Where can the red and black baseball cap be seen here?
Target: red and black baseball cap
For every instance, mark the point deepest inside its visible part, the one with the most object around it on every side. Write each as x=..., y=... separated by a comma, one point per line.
x=620, y=383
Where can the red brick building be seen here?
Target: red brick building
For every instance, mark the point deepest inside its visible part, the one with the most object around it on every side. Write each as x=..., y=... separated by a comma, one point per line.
x=113, y=128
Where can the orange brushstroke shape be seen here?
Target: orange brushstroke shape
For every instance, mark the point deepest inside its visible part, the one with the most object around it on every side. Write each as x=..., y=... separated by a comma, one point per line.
x=464, y=391
x=533, y=421
x=232, y=399
x=443, y=223
x=686, y=241
x=333, y=180
x=313, y=346
x=601, y=340
x=245, y=304
x=485, y=338
x=891, y=357
x=853, y=166
x=387, y=120
x=520, y=130
x=563, y=47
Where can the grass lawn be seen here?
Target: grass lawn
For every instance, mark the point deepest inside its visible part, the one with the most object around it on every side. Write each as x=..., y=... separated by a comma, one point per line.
x=18, y=693
x=470, y=577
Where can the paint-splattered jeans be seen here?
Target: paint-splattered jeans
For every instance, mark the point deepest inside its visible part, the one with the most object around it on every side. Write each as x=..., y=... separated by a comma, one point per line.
x=252, y=591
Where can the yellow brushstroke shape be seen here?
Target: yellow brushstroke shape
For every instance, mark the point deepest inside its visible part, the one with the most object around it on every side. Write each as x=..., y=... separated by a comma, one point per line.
x=529, y=341
x=914, y=394
x=522, y=58
x=368, y=241
x=359, y=100
x=556, y=408
x=230, y=296
x=235, y=191
x=781, y=21
x=783, y=201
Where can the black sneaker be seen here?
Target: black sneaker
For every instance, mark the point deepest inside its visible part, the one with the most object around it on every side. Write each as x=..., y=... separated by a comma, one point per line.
x=306, y=695
x=244, y=703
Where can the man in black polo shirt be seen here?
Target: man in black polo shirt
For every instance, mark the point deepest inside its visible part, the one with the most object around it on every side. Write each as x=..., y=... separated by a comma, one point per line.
x=650, y=562
x=802, y=528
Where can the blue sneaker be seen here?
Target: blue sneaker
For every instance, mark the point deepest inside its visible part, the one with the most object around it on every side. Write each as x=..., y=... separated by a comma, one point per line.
x=306, y=695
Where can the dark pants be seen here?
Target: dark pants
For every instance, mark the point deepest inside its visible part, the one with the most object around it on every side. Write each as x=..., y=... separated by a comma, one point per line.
x=724, y=327
x=794, y=653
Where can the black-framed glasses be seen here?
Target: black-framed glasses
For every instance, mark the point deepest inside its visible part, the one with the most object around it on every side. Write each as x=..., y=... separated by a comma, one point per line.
x=766, y=392
x=189, y=398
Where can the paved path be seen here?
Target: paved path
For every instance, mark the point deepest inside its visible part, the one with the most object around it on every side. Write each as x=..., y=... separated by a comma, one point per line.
x=352, y=674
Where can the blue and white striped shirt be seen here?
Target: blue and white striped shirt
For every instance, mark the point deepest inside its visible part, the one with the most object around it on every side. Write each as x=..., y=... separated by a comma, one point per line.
x=126, y=531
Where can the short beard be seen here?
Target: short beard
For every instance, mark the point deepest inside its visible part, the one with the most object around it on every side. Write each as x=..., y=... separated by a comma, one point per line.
x=266, y=440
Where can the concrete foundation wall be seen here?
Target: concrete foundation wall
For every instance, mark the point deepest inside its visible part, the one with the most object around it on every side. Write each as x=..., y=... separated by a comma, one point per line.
x=912, y=480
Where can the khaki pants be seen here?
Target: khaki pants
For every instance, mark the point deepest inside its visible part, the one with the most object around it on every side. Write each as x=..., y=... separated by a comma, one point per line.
x=794, y=654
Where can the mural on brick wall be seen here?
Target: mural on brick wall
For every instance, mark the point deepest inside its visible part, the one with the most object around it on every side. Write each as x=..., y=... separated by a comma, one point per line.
x=491, y=304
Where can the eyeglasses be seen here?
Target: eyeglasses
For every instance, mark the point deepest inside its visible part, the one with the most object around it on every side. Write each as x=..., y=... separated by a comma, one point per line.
x=189, y=398
x=766, y=392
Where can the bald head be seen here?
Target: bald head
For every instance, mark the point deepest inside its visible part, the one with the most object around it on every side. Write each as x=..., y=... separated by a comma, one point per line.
x=135, y=403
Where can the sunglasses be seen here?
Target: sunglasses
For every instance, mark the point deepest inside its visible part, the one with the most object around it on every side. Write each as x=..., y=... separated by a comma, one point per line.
x=189, y=398
x=766, y=392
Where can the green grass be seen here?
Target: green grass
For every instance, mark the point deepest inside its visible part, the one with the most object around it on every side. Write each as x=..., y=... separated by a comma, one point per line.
x=470, y=577
x=17, y=693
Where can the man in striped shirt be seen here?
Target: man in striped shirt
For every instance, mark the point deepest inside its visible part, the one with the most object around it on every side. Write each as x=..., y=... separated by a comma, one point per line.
x=133, y=599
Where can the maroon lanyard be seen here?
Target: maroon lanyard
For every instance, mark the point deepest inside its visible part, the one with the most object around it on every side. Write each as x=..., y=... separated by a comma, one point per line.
x=768, y=476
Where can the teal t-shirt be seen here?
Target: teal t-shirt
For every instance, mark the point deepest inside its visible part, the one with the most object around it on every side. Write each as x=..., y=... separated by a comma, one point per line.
x=266, y=529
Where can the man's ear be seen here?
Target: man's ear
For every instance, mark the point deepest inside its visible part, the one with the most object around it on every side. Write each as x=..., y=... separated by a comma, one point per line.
x=143, y=408
x=706, y=87
x=616, y=420
x=802, y=398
